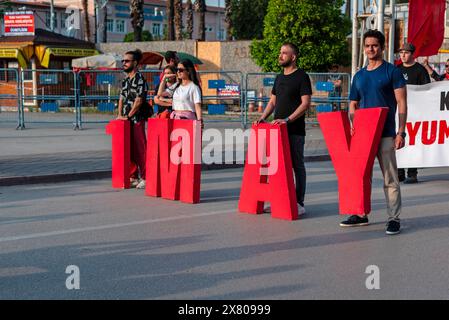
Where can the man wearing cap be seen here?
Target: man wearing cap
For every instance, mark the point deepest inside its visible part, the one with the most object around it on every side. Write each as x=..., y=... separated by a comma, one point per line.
x=414, y=73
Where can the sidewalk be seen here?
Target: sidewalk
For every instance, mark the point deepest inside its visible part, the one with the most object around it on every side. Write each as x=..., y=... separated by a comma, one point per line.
x=56, y=153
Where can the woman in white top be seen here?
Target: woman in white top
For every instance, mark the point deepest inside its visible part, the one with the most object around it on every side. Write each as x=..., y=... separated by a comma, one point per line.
x=186, y=102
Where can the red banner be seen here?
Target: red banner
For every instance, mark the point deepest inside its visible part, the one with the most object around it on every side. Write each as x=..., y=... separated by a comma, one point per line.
x=426, y=26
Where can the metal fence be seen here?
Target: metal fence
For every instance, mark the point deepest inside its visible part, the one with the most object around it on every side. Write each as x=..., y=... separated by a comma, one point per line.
x=91, y=96
x=49, y=96
x=98, y=92
x=10, y=105
x=330, y=92
x=223, y=98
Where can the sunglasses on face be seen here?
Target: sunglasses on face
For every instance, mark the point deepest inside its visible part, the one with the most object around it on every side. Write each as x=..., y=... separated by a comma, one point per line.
x=447, y=66
x=180, y=70
x=126, y=61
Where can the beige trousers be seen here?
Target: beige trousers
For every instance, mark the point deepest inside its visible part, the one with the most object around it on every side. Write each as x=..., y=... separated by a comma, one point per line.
x=386, y=155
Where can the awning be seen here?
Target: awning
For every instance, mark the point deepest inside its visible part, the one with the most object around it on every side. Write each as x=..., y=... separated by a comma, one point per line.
x=15, y=54
x=43, y=53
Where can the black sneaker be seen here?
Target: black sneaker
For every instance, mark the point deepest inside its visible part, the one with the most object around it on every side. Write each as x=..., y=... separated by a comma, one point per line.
x=413, y=179
x=393, y=227
x=355, y=221
x=401, y=175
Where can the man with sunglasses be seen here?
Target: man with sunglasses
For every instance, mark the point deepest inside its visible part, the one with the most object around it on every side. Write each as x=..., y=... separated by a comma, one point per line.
x=131, y=107
x=414, y=73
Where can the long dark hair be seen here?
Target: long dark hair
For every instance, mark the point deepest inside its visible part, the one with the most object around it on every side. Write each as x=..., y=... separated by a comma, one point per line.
x=193, y=75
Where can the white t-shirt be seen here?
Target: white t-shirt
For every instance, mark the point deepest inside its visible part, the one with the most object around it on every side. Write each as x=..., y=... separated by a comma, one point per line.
x=185, y=97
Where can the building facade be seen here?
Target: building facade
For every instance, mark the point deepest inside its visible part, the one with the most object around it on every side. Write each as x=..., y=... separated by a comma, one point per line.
x=115, y=17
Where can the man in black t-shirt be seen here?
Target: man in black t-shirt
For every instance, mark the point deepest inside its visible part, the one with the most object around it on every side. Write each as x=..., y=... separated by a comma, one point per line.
x=414, y=73
x=290, y=99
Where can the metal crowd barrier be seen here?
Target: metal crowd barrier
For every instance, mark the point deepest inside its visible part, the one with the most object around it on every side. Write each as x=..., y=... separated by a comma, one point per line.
x=10, y=104
x=49, y=96
x=326, y=96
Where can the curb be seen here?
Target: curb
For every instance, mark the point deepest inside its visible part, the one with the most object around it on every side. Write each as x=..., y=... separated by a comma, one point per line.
x=93, y=175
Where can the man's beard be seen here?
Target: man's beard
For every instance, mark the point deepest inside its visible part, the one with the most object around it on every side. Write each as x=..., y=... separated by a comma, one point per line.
x=285, y=64
x=128, y=70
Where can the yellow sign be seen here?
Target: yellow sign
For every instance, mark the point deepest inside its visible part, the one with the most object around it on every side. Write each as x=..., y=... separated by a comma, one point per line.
x=72, y=52
x=14, y=53
x=8, y=53
x=44, y=53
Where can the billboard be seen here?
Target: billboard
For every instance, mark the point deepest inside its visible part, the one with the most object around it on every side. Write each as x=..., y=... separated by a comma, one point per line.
x=19, y=23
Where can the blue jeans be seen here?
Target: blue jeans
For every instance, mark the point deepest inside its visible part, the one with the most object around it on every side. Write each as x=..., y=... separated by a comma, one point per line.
x=297, y=155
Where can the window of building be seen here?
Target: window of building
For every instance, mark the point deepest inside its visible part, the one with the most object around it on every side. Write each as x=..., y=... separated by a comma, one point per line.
x=221, y=34
x=156, y=29
x=47, y=20
x=120, y=26
x=110, y=25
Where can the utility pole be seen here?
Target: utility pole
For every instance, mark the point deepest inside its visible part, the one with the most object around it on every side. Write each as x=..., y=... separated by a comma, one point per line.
x=392, y=31
x=52, y=16
x=355, y=7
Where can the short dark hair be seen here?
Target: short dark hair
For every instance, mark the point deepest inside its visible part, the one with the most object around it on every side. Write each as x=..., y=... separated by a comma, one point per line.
x=375, y=34
x=137, y=55
x=170, y=55
x=292, y=46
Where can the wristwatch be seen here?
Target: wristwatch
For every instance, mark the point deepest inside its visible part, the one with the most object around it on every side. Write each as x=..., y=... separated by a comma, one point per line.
x=402, y=134
x=287, y=120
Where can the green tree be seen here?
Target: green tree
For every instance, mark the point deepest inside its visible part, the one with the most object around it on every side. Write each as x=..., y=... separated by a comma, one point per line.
x=137, y=19
x=318, y=27
x=247, y=18
x=146, y=36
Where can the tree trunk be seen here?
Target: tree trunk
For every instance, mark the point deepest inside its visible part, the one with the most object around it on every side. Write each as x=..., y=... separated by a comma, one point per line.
x=137, y=19
x=189, y=19
x=178, y=19
x=200, y=6
x=228, y=13
x=170, y=18
x=86, y=20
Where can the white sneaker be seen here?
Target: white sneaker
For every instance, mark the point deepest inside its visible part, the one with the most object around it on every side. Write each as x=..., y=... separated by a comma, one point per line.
x=141, y=184
x=267, y=209
x=301, y=210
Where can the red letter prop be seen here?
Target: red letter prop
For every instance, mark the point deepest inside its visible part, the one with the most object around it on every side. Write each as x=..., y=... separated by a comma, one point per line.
x=174, y=159
x=353, y=157
x=121, y=144
x=268, y=173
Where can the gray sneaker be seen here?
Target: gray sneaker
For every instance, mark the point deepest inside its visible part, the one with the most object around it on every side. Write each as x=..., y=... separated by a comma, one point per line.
x=141, y=184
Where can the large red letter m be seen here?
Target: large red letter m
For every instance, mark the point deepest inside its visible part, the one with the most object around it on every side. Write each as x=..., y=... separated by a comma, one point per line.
x=353, y=156
x=174, y=159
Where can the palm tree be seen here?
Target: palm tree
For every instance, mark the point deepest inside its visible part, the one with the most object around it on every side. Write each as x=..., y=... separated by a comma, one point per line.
x=86, y=20
x=189, y=19
x=170, y=18
x=178, y=19
x=228, y=20
x=200, y=6
x=137, y=19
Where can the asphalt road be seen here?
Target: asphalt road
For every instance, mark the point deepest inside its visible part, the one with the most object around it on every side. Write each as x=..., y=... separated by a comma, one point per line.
x=130, y=246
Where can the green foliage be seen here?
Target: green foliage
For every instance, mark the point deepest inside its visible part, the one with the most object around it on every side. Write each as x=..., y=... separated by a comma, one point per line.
x=146, y=36
x=318, y=27
x=247, y=18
